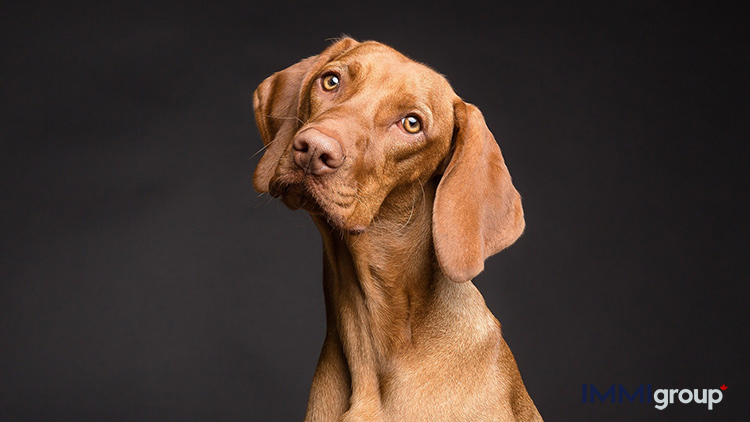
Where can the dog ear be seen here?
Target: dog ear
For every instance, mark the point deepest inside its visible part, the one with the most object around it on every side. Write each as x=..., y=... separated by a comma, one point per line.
x=477, y=210
x=276, y=103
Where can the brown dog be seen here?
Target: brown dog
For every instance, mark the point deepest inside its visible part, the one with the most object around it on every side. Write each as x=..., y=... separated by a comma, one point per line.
x=411, y=194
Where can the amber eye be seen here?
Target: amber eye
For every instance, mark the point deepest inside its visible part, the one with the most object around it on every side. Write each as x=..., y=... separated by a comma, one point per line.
x=330, y=82
x=411, y=124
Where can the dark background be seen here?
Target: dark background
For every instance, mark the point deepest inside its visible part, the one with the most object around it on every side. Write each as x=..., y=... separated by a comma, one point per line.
x=142, y=279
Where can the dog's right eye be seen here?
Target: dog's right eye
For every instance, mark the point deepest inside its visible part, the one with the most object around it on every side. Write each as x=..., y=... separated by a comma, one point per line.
x=330, y=82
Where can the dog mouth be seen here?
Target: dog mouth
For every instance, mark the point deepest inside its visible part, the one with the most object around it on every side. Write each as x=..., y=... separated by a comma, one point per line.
x=335, y=204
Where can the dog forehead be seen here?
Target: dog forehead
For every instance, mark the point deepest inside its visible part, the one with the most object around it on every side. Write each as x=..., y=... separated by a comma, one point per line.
x=391, y=81
x=379, y=61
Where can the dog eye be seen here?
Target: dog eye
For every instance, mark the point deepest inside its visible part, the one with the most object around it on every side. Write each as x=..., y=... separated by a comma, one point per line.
x=330, y=82
x=411, y=124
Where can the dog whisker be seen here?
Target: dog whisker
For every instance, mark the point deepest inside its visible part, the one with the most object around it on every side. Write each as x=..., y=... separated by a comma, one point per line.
x=264, y=147
x=424, y=197
x=356, y=195
x=282, y=117
x=411, y=213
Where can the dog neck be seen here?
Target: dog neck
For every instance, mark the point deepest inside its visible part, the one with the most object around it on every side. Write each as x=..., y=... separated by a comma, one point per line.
x=378, y=284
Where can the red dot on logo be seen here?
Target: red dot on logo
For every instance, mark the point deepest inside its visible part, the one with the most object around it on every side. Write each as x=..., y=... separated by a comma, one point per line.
x=723, y=387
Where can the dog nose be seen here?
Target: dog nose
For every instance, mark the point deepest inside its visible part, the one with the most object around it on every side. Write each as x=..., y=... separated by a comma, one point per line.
x=317, y=153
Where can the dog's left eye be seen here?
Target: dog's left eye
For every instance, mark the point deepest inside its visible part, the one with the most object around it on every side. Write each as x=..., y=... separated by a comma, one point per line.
x=411, y=124
x=330, y=82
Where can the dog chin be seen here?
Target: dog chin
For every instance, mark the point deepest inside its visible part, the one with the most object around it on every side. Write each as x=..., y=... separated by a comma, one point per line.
x=297, y=196
x=342, y=223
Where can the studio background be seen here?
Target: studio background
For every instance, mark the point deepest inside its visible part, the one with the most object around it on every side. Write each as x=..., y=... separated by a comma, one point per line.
x=142, y=279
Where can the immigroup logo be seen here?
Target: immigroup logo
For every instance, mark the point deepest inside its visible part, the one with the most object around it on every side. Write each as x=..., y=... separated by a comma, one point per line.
x=663, y=397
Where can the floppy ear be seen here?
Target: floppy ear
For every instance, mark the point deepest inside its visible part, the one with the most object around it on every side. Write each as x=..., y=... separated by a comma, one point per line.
x=477, y=210
x=276, y=102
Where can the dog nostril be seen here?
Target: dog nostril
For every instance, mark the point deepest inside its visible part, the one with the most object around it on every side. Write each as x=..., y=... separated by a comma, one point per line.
x=300, y=145
x=325, y=158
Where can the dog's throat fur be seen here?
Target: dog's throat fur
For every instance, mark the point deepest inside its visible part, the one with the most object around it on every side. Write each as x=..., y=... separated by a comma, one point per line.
x=378, y=288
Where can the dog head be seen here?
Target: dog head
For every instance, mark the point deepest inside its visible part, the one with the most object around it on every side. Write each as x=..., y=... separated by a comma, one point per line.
x=347, y=128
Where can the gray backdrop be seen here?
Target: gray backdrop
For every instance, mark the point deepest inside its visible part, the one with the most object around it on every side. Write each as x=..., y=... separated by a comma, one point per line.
x=142, y=279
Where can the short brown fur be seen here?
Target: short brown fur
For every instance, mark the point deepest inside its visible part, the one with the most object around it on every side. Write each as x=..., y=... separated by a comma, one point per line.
x=407, y=220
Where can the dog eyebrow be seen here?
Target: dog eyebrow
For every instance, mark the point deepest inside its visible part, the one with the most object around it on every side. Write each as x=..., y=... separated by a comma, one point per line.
x=353, y=70
x=398, y=105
